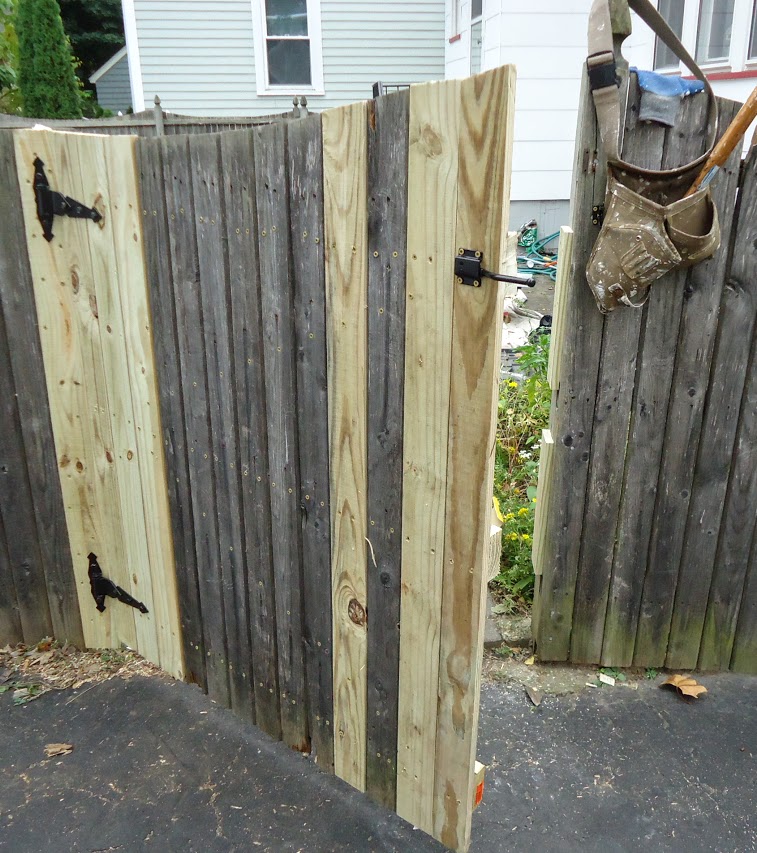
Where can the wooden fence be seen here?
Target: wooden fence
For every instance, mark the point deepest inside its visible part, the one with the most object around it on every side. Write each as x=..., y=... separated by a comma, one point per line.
x=275, y=309
x=647, y=553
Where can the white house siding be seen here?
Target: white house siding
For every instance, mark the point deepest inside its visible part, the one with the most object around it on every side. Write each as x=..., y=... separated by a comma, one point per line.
x=114, y=87
x=198, y=55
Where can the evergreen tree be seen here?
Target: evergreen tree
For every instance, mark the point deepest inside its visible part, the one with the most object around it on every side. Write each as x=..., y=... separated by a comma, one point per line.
x=96, y=31
x=46, y=65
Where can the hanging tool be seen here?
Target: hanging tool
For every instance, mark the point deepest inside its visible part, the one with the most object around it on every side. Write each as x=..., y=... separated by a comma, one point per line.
x=730, y=139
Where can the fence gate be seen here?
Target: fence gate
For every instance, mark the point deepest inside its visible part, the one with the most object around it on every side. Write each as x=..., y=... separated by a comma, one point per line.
x=273, y=412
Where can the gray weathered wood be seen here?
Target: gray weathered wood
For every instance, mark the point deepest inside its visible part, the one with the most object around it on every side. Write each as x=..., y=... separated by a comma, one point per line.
x=724, y=396
x=279, y=351
x=387, y=250
x=209, y=212
x=307, y=247
x=162, y=309
x=11, y=631
x=737, y=527
x=696, y=341
x=654, y=374
x=186, y=283
x=643, y=146
x=18, y=307
x=249, y=385
x=572, y=414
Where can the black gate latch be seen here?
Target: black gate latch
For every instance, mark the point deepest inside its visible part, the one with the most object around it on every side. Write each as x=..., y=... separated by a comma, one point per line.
x=102, y=586
x=469, y=270
x=51, y=203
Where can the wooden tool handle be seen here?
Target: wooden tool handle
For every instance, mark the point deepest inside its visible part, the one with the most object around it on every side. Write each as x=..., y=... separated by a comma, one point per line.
x=730, y=139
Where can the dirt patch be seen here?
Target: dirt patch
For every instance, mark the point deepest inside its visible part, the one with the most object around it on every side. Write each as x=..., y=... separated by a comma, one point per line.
x=31, y=671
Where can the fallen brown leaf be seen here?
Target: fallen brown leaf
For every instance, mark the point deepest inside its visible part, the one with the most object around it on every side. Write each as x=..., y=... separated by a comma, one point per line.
x=533, y=695
x=685, y=684
x=53, y=749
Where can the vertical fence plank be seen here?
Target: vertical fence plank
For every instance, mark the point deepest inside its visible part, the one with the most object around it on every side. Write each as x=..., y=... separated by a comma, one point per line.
x=209, y=213
x=11, y=631
x=696, y=341
x=244, y=288
x=71, y=339
x=281, y=392
x=186, y=286
x=643, y=146
x=565, y=257
x=737, y=527
x=432, y=203
x=344, y=179
x=487, y=113
x=387, y=261
x=163, y=314
x=26, y=365
x=306, y=220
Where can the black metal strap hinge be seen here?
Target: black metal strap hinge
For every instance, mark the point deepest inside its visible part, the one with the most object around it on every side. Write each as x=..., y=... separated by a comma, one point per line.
x=597, y=214
x=102, y=587
x=469, y=270
x=51, y=203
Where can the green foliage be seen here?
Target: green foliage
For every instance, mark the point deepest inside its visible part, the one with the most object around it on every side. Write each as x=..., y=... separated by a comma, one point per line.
x=10, y=96
x=96, y=31
x=523, y=414
x=47, y=78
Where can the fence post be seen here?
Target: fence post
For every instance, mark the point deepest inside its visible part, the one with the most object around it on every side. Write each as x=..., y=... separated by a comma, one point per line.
x=159, y=124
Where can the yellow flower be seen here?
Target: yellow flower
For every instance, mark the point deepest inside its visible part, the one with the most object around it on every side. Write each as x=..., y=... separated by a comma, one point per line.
x=533, y=500
x=512, y=384
x=509, y=517
x=512, y=536
x=523, y=510
x=526, y=537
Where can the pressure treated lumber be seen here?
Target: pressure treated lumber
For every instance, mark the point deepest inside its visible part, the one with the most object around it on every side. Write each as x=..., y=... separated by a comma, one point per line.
x=345, y=222
x=431, y=221
x=564, y=272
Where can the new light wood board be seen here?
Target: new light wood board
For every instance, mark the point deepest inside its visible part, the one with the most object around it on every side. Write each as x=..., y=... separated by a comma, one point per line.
x=345, y=221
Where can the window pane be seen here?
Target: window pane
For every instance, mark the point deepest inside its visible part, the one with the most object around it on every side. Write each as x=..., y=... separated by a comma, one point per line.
x=288, y=62
x=475, y=9
x=286, y=17
x=753, y=39
x=714, y=36
x=672, y=11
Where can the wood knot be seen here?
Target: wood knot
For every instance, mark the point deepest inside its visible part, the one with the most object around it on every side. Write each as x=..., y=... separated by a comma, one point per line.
x=75, y=280
x=356, y=612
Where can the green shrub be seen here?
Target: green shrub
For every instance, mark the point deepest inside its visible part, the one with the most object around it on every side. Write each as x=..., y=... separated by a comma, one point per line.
x=46, y=77
x=523, y=414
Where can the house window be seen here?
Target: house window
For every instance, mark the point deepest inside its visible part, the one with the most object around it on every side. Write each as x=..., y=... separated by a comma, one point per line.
x=714, y=32
x=753, y=38
x=288, y=47
x=672, y=11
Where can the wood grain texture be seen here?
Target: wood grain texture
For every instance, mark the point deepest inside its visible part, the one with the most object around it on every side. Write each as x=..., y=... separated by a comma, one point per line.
x=654, y=375
x=737, y=526
x=696, y=340
x=244, y=287
x=387, y=259
x=11, y=631
x=305, y=149
x=485, y=138
x=431, y=222
x=345, y=227
x=209, y=209
x=564, y=262
x=27, y=368
x=167, y=375
x=72, y=345
x=643, y=144
x=186, y=284
x=279, y=354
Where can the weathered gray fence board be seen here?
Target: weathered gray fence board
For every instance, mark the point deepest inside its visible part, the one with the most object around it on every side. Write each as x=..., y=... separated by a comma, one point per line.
x=573, y=403
x=281, y=392
x=162, y=309
x=306, y=226
x=186, y=284
x=654, y=375
x=642, y=145
x=708, y=493
x=209, y=211
x=684, y=422
x=387, y=255
x=11, y=631
x=737, y=527
x=26, y=366
x=249, y=389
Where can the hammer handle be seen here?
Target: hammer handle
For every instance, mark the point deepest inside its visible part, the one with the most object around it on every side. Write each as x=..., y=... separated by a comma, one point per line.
x=730, y=139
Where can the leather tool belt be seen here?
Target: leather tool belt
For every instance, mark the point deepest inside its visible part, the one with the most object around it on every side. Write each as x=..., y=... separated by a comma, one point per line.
x=650, y=227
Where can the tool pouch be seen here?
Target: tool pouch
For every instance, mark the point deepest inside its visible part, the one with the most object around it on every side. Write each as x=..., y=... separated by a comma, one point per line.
x=641, y=241
x=651, y=226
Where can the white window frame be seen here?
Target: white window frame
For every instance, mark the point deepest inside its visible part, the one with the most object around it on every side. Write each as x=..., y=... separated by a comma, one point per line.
x=264, y=89
x=751, y=61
